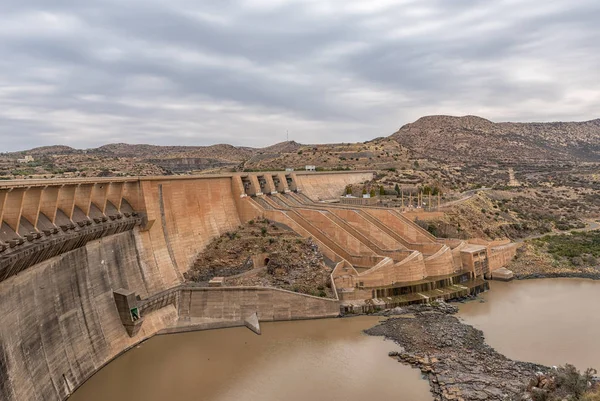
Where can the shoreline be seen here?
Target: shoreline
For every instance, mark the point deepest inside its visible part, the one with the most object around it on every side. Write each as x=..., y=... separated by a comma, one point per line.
x=531, y=276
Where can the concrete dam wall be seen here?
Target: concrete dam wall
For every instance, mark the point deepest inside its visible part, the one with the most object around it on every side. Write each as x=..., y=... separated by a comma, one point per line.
x=59, y=321
x=89, y=268
x=67, y=246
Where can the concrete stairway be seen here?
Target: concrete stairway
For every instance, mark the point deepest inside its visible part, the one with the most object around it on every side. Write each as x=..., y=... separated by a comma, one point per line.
x=342, y=224
x=318, y=234
x=263, y=202
x=367, y=228
x=384, y=228
x=321, y=237
x=410, y=232
x=300, y=198
x=337, y=232
x=424, y=233
x=291, y=200
x=268, y=199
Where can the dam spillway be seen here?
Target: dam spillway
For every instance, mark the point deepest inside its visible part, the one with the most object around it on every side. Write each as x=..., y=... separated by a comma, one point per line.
x=90, y=268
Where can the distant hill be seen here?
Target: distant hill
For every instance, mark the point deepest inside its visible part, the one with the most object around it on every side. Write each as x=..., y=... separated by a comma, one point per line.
x=441, y=140
x=48, y=150
x=180, y=158
x=472, y=138
x=282, y=147
x=224, y=151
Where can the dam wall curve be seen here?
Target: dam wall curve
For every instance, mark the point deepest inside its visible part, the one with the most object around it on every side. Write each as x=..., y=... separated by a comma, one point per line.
x=185, y=215
x=67, y=246
x=90, y=268
x=59, y=321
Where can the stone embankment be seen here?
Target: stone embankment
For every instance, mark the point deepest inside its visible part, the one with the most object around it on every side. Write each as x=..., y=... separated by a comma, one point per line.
x=454, y=356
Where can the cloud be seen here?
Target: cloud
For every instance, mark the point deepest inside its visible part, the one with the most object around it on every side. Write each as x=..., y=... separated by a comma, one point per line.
x=246, y=71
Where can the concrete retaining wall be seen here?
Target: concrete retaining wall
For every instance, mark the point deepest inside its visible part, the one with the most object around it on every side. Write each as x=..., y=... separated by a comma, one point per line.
x=235, y=304
x=329, y=186
x=500, y=256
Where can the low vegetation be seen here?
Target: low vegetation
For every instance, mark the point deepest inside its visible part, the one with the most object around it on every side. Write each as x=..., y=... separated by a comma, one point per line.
x=564, y=383
x=577, y=248
x=563, y=255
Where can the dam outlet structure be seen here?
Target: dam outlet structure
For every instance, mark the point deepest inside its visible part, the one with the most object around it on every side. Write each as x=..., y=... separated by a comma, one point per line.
x=91, y=267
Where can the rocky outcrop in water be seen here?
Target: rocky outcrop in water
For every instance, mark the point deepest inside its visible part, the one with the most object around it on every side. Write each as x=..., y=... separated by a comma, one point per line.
x=454, y=356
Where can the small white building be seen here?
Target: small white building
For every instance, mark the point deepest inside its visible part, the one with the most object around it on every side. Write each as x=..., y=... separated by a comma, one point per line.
x=26, y=159
x=288, y=169
x=310, y=168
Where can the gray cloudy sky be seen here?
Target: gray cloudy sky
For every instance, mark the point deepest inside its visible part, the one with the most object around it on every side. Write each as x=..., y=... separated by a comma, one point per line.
x=89, y=72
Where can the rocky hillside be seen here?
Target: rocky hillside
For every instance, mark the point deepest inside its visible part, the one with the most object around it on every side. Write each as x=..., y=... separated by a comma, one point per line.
x=379, y=154
x=265, y=254
x=471, y=138
x=121, y=159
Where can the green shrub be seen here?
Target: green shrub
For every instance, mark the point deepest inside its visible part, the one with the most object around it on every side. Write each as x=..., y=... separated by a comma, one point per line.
x=575, y=244
x=571, y=382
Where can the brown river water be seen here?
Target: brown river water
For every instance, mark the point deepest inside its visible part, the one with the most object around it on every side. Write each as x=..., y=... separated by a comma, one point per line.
x=329, y=359
x=549, y=321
